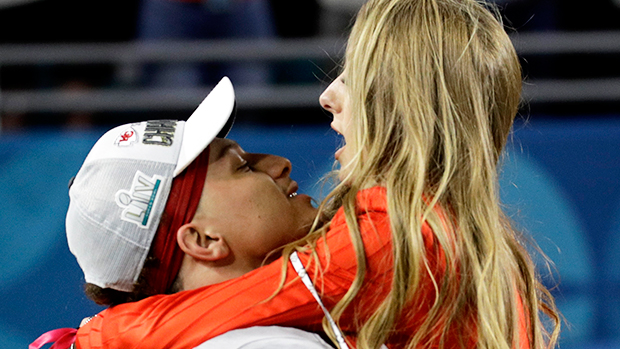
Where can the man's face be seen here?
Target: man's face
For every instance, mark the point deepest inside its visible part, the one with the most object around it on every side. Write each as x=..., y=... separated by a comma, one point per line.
x=252, y=200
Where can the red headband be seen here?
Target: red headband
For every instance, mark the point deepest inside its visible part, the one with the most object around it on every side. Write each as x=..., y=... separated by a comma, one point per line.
x=180, y=209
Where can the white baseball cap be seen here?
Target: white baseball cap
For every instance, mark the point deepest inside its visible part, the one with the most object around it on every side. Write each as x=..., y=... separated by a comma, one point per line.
x=118, y=195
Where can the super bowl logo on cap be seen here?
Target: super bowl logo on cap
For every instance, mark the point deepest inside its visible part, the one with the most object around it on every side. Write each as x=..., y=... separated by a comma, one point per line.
x=138, y=201
x=126, y=138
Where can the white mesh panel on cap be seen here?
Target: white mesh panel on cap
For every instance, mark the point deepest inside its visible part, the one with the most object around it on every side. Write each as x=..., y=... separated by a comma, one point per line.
x=107, y=260
x=111, y=250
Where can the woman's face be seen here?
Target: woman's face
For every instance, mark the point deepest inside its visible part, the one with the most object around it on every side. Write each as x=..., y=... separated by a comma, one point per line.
x=335, y=99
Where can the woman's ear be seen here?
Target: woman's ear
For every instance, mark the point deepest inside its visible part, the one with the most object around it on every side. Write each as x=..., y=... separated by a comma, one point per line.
x=202, y=245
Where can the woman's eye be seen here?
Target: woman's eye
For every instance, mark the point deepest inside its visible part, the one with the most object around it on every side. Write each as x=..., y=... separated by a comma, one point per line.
x=343, y=79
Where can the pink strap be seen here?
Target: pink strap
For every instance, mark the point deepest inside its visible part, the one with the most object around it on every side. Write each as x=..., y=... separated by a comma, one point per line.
x=62, y=339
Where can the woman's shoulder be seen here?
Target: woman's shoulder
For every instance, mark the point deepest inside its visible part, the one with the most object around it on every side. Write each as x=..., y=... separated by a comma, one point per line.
x=370, y=208
x=373, y=199
x=368, y=202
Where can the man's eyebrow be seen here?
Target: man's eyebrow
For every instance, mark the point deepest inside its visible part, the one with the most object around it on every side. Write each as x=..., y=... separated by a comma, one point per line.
x=225, y=149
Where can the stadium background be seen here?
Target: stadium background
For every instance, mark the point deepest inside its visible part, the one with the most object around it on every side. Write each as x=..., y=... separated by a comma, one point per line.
x=67, y=73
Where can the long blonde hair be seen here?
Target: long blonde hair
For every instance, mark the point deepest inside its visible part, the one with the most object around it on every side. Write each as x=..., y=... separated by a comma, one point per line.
x=434, y=87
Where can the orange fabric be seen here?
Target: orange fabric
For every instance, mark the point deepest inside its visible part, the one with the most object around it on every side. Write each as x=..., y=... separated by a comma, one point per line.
x=187, y=319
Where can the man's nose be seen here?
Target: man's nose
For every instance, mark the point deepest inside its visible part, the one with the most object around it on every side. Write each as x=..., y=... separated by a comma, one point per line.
x=273, y=165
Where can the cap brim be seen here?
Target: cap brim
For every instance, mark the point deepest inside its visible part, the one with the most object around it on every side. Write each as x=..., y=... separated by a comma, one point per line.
x=212, y=118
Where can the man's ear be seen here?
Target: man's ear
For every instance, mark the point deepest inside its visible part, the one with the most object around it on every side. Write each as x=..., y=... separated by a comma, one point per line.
x=202, y=245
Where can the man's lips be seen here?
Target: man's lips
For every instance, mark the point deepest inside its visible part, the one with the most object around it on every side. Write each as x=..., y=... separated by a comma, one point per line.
x=292, y=189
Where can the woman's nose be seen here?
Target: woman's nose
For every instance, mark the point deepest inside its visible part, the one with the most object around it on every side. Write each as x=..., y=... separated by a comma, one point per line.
x=328, y=99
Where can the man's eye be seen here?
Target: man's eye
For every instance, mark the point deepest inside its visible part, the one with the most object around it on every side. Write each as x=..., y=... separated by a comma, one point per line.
x=245, y=167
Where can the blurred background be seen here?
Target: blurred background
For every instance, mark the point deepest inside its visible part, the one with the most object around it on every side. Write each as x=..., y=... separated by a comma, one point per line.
x=70, y=69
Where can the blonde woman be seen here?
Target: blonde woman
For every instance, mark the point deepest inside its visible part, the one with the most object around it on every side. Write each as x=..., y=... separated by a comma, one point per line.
x=418, y=253
x=425, y=104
